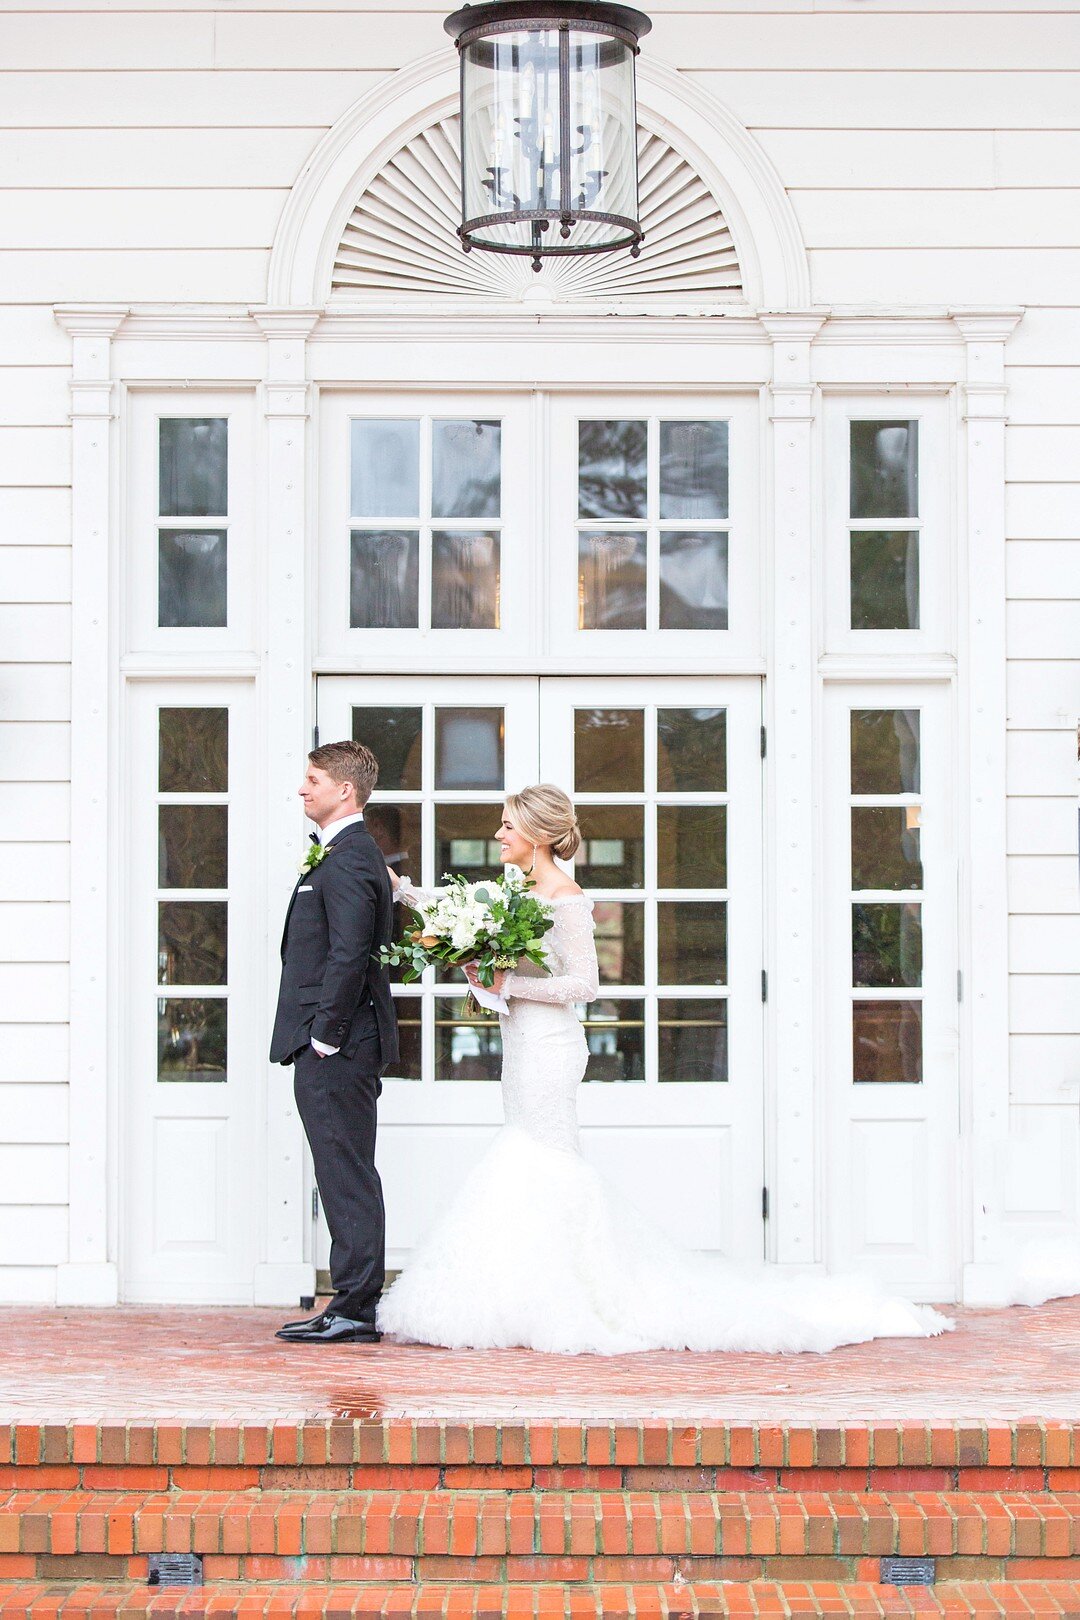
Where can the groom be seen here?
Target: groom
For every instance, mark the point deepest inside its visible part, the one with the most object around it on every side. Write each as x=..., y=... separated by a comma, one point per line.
x=336, y=1025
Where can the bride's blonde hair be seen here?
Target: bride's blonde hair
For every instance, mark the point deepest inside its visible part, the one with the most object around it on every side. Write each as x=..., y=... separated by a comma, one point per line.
x=545, y=815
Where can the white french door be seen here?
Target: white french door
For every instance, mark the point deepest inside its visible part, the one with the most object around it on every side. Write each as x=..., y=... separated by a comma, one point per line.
x=666, y=774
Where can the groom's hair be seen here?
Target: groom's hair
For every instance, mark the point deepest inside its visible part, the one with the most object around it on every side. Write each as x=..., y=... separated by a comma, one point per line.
x=348, y=762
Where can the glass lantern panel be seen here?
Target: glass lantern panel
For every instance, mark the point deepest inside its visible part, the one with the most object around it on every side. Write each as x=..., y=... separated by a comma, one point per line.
x=603, y=158
x=510, y=159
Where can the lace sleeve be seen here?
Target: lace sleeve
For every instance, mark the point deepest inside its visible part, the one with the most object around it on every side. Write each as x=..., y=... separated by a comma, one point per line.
x=409, y=895
x=579, y=978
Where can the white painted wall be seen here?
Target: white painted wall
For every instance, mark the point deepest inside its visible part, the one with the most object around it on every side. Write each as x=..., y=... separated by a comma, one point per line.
x=931, y=151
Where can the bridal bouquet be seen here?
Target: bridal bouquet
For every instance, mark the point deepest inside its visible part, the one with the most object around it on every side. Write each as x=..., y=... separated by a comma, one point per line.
x=493, y=923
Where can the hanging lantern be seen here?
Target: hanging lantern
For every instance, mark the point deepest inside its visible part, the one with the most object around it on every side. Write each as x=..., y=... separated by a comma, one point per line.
x=548, y=126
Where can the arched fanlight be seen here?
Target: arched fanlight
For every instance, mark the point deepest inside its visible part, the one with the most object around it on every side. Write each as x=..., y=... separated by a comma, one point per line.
x=548, y=126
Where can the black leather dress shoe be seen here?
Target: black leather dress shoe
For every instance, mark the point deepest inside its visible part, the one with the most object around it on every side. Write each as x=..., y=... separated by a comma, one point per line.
x=287, y=1329
x=331, y=1329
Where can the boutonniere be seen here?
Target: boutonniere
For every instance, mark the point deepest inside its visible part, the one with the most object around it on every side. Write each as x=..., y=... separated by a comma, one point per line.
x=316, y=852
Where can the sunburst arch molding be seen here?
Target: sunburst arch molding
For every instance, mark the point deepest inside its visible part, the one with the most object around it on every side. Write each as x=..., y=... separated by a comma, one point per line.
x=722, y=156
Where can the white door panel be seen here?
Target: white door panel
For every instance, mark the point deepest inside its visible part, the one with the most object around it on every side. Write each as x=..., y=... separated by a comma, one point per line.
x=673, y=1094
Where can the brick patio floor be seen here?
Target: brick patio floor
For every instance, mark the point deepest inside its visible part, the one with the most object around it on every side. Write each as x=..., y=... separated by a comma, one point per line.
x=157, y=1363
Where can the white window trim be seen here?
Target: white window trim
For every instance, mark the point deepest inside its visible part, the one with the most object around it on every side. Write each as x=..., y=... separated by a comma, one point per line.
x=813, y=350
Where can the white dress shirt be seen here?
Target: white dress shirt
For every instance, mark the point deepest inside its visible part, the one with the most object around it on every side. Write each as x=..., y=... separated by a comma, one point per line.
x=327, y=836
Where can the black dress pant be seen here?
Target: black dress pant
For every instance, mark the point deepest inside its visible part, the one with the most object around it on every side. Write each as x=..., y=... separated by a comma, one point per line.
x=337, y=1098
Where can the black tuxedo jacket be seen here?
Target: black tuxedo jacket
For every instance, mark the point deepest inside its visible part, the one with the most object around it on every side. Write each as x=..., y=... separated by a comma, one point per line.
x=340, y=913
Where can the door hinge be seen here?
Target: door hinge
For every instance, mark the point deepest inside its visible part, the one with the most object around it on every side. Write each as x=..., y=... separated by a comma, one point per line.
x=314, y=736
x=763, y=742
x=314, y=1203
x=764, y=985
x=764, y=1203
x=959, y=984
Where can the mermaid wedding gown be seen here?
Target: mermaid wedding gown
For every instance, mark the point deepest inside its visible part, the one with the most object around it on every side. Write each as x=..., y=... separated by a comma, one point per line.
x=537, y=1249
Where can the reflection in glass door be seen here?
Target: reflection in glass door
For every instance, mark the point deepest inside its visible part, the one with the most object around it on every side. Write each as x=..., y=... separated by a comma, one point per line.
x=666, y=776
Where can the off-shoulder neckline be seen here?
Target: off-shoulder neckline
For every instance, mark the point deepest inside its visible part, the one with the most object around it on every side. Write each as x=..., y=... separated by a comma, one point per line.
x=564, y=899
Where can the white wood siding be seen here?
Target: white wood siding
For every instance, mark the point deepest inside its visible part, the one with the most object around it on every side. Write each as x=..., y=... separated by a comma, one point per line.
x=931, y=149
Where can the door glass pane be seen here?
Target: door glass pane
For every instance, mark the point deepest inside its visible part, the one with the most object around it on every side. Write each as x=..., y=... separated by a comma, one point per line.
x=694, y=580
x=466, y=469
x=192, y=941
x=691, y=750
x=385, y=479
x=611, y=580
x=693, y=1042
x=469, y=747
x=396, y=830
x=193, y=846
x=395, y=737
x=886, y=944
x=693, y=470
x=465, y=581
x=193, y=750
x=193, y=465
x=884, y=469
x=884, y=750
x=885, y=847
x=465, y=840
x=407, y=1008
x=384, y=579
x=691, y=846
x=609, y=750
x=612, y=469
x=465, y=1048
x=887, y=1042
x=615, y=1035
x=192, y=579
x=612, y=853
x=620, y=941
x=691, y=942
x=885, y=579
x=192, y=1039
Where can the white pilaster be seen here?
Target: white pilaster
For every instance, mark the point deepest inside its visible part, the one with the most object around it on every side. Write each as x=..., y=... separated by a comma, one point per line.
x=791, y=690
x=284, y=1274
x=90, y=1275
x=983, y=900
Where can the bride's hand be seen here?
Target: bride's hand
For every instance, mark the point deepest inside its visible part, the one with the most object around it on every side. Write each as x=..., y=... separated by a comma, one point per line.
x=395, y=881
x=473, y=976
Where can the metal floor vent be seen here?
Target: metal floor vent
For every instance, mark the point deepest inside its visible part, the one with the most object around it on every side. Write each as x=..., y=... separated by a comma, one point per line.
x=908, y=1572
x=175, y=1569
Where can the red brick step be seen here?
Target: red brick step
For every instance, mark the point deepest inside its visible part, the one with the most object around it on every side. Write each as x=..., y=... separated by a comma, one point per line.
x=701, y=1601
x=401, y=1532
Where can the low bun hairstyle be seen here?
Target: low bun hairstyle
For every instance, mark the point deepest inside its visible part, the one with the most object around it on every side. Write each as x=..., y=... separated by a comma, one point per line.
x=545, y=815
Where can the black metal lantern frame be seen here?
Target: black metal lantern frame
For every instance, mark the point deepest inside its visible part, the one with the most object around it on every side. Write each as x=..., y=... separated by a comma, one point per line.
x=477, y=31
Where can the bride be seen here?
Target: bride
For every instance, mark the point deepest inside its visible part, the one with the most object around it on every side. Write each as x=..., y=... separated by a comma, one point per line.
x=537, y=1249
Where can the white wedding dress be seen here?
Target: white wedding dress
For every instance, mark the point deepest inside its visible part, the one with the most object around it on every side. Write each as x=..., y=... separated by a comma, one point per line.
x=537, y=1249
